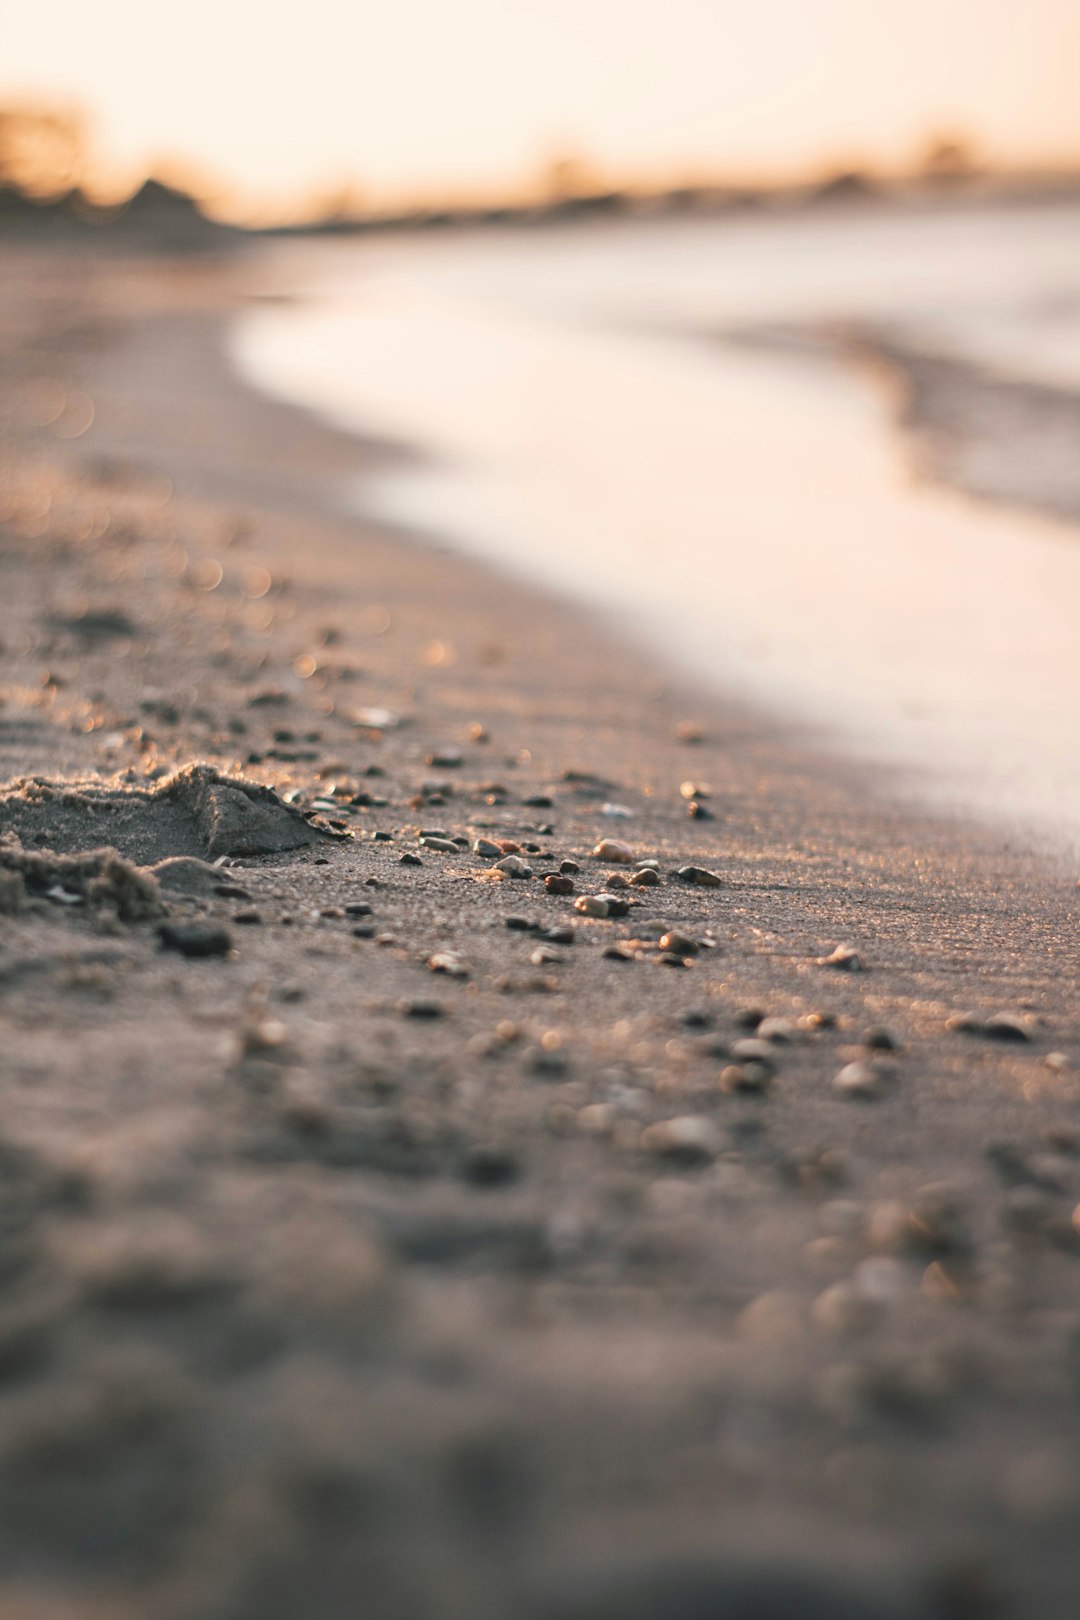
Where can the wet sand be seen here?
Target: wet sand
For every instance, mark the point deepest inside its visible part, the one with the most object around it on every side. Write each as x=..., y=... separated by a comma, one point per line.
x=426, y=1257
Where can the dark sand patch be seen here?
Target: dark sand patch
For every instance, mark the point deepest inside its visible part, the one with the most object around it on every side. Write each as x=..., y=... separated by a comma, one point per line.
x=196, y=812
x=98, y=879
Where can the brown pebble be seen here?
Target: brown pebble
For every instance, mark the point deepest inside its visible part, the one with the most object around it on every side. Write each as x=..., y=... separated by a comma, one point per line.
x=558, y=883
x=613, y=849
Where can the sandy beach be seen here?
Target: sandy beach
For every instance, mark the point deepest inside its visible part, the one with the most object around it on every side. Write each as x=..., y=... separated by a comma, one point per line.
x=507, y=1133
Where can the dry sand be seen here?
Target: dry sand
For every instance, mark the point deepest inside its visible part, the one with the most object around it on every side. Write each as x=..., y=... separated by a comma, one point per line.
x=335, y=1285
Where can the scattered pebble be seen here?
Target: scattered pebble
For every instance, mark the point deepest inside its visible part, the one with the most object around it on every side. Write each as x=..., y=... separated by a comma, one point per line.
x=880, y=1039
x=1000, y=1026
x=679, y=944
x=699, y=875
x=421, y=1007
x=569, y=868
x=450, y=963
x=559, y=883
x=866, y=1078
x=844, y=958
x=647, y=877
x=591, y=905
x=444, y=846
x=844, y=1309
x=410, y=860
x=512, y=866
x=691, y=1139
x=613, y=849
x=195, y=939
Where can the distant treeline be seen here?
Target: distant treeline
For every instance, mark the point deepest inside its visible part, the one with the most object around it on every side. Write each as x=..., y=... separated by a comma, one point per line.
x=42, y=159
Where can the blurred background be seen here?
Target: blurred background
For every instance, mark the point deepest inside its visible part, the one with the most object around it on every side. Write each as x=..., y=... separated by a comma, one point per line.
x=757, y=330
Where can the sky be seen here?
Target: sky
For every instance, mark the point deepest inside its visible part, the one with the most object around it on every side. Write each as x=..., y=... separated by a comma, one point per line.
x=408, y=99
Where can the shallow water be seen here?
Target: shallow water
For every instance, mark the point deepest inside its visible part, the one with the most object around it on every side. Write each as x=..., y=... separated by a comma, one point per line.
x=747, y=512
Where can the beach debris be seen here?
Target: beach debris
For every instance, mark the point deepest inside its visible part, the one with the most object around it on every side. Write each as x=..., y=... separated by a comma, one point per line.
x=844, y=958
x=688, y=1140
x=614, y=850
x=700, y=876
x=195, y=939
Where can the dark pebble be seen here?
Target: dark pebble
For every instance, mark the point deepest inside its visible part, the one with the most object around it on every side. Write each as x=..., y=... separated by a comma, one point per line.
x=693, y=1019
x=879, y=1039
x=410, y=860
x=521, y=925
x=358, y=908
x=539, y=801
x=559, y=884
x=421, y=1007
x=195, y=939
x=247, y=919
x=382, y=838
x=486, y=1164
x=569, y=868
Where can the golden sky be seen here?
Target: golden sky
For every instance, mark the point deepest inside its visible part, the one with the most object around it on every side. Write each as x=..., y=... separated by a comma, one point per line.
x=409, y=97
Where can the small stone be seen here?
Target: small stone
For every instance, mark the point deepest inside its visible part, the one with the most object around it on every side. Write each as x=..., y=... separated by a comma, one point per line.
x=410, y=860
x=749, y=1017
x=444, y=846
x=863, y=1080
x=755, y=1051
x=358, y=908
x=780, y=1030
x=672, y=959
x=1004, y=1026
x=539, y=801
x=195, y=939
x=616, y=907
x=679, y=944
x=691, y=1139
x=512, y=866
x=484, y=846
x=543, y=956
x=613, y=881
x=450, y=963
x=614, y=850
x=597, y=1119
x=694, y=790
x=700, y=876
x=751, y=1078
x=591, y=905
x=845, y=1310
x=569, y=868
x=421, y=1007
x=558, y=883
x=488, y=1164
x=698, y=811
x=445, y=759
x=477, y=732
x=561, y=934
x=248, y=919
x=646, y=877
x=695, y=1018
x=880, y=1039
x=617, y=953
x=844, y=958
x=520, y=925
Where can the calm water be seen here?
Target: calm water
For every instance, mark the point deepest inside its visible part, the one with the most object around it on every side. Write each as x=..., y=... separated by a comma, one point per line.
x=747, y=513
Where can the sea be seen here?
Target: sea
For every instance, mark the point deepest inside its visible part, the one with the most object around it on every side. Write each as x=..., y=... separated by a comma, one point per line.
x=604, y=409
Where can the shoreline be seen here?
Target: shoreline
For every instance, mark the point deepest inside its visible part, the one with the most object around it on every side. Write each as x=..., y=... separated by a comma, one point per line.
x=435, y=1270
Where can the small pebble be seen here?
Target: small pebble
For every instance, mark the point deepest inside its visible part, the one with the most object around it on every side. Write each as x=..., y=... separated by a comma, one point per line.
x=558, y=883
x=484, y=846
x=690, y=1139
x=543, y=955
x=195, y=939
x=421, y=1007
x=569, y=868
x=679, y=944
x=693, y=790
x=520, y=925
x=487, y=1164
x=700, y=876
x=512, y=866
x=647, y=877
x=410, y=860
x=450, y=963
x=613, y=849
x=358, y=908
x=880, y=1039
x=863, y=1079
x=844, y=958
x=444, y=846
x=749, y=1077
x=591, y=905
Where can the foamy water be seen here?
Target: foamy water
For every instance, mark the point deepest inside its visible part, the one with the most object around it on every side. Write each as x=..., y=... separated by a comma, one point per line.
x=748, y=514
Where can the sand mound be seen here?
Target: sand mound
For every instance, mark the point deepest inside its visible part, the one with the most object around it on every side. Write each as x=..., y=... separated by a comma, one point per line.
x=100, y=878
x=196, y=812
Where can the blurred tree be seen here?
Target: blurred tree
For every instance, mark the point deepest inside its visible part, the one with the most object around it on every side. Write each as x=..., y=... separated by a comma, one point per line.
x=40, y=150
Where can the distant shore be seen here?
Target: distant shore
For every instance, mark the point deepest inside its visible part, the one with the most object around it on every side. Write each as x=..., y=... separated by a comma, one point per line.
x=443, y=1242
